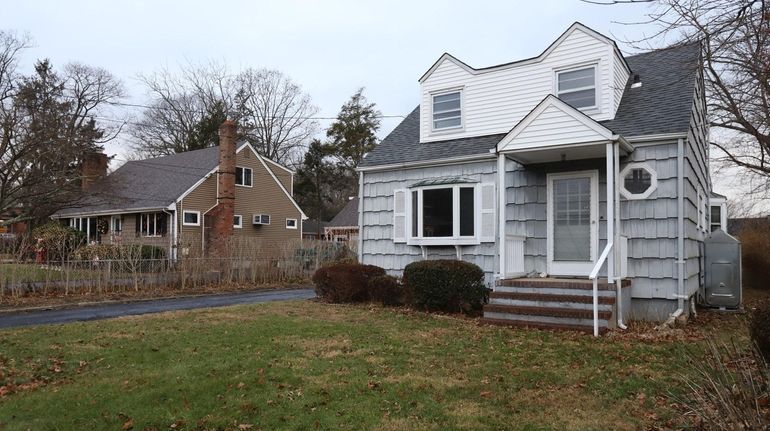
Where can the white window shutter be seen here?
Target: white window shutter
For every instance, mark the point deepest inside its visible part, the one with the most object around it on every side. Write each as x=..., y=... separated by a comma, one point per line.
x=399, y=215
x=488, y=225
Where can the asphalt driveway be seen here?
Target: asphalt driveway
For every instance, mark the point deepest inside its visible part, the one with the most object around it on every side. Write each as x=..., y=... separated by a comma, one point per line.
x=107, y=311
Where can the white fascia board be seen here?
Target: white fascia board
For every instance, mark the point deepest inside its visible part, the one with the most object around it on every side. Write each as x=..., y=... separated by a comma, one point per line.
x=109, y=212
x=434, y=162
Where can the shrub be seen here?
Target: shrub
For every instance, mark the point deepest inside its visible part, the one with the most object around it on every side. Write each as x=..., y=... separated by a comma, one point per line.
x=96, y=251
x=759, y=328
x=345, y=282
x=385, y=290
x=729, y=388
x=445, y=285
x=58, y=241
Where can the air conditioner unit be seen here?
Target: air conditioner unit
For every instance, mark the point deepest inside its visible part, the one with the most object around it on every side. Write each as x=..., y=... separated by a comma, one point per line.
x=260, y=219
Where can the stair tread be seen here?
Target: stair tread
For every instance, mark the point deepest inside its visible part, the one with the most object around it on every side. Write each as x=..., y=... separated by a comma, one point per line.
x=550, y=297
x=546, y=311
x=542, y=325
x=561, y=283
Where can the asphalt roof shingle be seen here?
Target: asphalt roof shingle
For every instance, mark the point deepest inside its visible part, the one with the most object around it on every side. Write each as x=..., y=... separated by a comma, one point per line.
x=663, y=104
x=150, y=183
x=348, y=215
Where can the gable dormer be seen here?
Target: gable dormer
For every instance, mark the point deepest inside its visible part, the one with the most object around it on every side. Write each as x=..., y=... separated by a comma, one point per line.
x=582, y=67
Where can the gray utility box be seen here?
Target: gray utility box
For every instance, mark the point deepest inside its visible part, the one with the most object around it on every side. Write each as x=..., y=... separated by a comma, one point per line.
x=723, y=270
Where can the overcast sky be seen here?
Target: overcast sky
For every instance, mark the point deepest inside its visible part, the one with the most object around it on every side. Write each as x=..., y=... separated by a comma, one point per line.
x=330, y=48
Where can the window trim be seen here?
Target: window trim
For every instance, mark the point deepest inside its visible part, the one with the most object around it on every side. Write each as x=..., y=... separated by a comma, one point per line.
x=197, y=218
x=155, y=233
x=113, y=219
x=455, y=239
x=293, y=220
x=239, y=225
x=637, y=196
x=251, y=176
x=596, y=107
x=444, y=92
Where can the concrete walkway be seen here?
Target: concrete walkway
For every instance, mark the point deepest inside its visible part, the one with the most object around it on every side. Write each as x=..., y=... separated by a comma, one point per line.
x=107, y=311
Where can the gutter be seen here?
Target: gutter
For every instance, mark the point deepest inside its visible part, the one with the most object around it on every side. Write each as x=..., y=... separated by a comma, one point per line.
x=434, y=162
x=108, y=212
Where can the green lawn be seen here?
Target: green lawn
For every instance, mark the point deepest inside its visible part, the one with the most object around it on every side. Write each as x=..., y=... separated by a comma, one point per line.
x=12, y=273
x=307, y=365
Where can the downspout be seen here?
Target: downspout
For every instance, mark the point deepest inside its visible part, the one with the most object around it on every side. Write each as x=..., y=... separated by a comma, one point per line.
x=172, y=237
x=618, y=280
x=680, y=231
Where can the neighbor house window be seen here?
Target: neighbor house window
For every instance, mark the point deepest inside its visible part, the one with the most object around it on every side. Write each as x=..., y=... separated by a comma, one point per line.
x=444, y=212
x=447, y=111
x=577, y=87
x=117, y=224
x=243, y=176
x=151, y=224
x=291, y=223
x=237, y=221
x=191, y=218
x=716, y=217
x=638, y=181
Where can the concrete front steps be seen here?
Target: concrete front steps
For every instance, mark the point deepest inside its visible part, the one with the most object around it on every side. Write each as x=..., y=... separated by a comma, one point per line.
x=551, y=303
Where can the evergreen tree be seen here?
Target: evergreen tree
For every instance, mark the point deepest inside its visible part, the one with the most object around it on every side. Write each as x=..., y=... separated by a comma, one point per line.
x=354, y=132
x=316, y=180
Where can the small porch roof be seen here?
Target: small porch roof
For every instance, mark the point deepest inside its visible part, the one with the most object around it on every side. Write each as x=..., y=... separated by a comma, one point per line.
x=555, y=131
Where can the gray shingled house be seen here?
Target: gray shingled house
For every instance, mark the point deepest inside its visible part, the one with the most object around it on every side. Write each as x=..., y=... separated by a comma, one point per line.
x=576, y=166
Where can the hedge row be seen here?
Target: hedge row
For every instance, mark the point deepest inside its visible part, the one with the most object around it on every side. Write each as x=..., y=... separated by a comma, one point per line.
x=434, y=285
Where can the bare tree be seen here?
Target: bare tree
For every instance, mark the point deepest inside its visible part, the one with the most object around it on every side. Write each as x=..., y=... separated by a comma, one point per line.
x=187, y=107
x=179, y=104
x=47, y=125
x=276, y=114
x=735, y=36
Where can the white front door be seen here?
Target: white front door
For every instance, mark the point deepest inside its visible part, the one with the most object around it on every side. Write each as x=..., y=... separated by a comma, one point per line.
x=573, y=208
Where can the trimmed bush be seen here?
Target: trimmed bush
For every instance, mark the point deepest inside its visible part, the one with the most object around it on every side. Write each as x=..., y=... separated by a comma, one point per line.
x=759, y=328
x=345, y=282
x=445, y=285
x=385, y=290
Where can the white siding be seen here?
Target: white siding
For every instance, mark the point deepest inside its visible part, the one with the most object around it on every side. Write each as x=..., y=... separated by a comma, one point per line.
x=494, y=101
x=554, y=127
x=619, y=79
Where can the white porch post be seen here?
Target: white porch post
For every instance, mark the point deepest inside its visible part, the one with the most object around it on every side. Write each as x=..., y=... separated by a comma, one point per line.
x=501, y=213
x=611, y=210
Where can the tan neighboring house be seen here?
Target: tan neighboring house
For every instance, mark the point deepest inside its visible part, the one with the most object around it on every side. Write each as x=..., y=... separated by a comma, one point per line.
x=178, y=201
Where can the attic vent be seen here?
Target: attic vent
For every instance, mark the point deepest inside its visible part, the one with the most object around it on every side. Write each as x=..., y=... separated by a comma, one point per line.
x=637, y=82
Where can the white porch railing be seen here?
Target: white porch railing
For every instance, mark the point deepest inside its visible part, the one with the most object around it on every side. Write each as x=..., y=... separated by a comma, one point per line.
x=594, y=277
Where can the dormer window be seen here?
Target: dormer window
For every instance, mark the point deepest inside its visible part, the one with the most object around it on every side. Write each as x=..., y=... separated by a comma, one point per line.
x=577, y=87
x=447, y=110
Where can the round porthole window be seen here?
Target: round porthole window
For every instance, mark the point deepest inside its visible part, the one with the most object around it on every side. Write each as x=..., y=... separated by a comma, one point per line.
x=638, y=181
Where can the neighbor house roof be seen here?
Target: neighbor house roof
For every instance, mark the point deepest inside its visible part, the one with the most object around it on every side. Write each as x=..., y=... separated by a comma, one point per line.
x=348, y=216
x=147, y=184
x=313, y=227
x=150, y=184
x=662, y=105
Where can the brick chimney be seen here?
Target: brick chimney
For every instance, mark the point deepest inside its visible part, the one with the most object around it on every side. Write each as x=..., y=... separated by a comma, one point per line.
x=94, y=167
x=222, y=214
